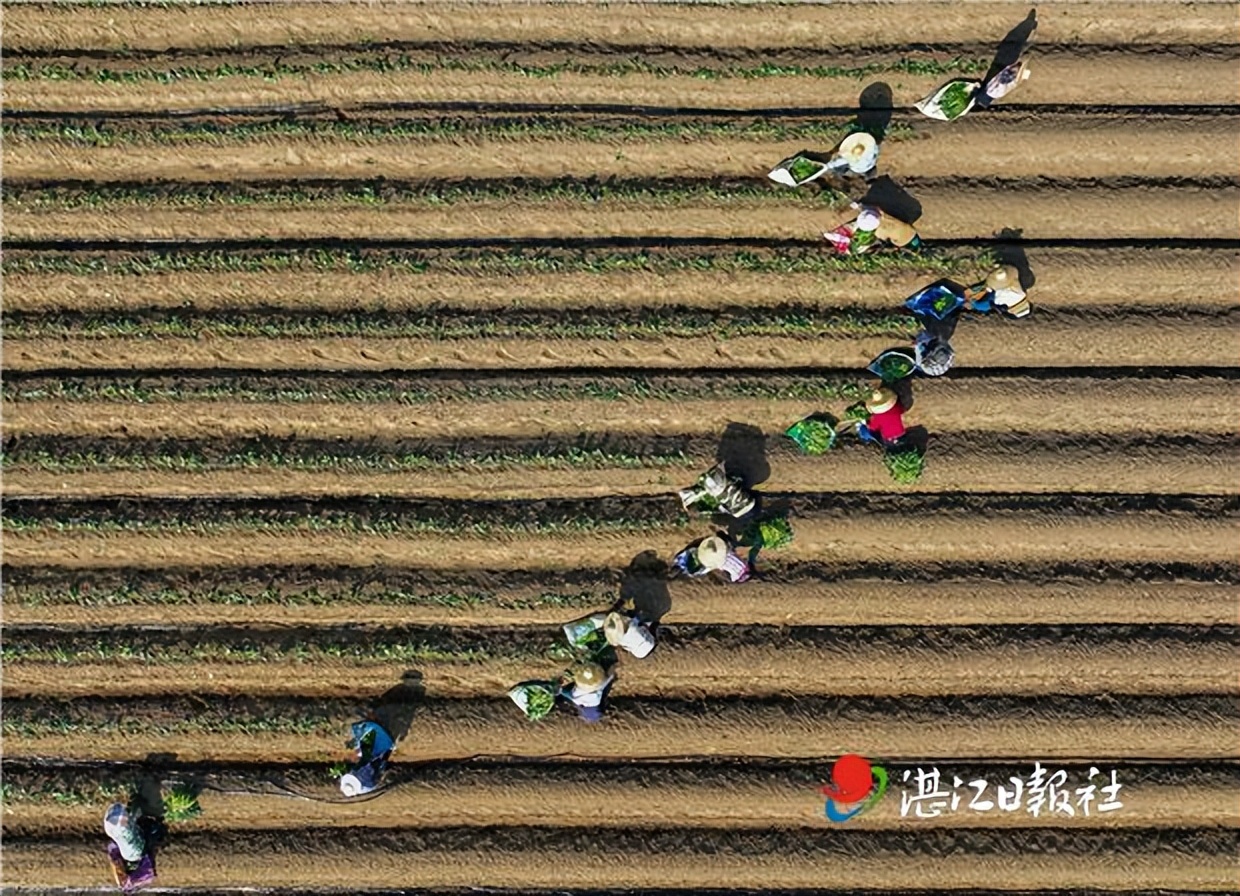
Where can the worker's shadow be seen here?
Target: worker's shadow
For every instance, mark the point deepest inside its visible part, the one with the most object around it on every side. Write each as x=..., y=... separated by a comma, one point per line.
x=1013, y=44
x=396, y=707
x=742, y=449
x=887, y=195
x=644, y=584
x=874, y=110
x=1011, y=250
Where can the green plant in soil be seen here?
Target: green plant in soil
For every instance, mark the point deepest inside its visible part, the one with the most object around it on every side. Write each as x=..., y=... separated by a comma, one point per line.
x=905, y=466
x=338, y=770
x=181, y=804
x=774, y=533
x=489, y=261
x=540, y=702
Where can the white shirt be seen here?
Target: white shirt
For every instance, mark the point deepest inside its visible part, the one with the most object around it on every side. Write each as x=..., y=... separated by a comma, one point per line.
x=637, y=640
x=1008, y=296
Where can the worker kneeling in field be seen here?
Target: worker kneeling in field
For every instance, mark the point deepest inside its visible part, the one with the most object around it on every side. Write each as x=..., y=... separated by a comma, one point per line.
x=709, y=555
x=133, y=840
x=629, y=632
x=374, y=748
x=885, y=422
x=586, y=688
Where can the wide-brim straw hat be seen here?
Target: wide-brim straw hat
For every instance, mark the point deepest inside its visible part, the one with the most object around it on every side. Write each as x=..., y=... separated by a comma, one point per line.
x=879, y=400
x=1003, y=277
x=614, y=628
x=855, y=146
x=712, y=552
x=589, y=677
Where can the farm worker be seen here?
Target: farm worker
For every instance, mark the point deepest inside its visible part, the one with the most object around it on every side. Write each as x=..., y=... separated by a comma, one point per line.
x=886, y=421
x=887, y=227
x=131, y=846
x=857, y=153
x=374, y=747
x=589, y=687
x=712, y=554
x=871, y=226
x=1001, y=289
x=628, y=632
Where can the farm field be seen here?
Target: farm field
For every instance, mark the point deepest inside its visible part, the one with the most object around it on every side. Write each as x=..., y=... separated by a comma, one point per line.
x=348, y=356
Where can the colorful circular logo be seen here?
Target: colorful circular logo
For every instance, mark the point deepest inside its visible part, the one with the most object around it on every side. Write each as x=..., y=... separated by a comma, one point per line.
x=855, y=787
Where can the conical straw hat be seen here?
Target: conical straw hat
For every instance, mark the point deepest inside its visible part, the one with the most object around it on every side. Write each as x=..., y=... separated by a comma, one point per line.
x=589, y=677
x=879, y=400
x=855, y=146
x=712, y=552
x=1004, y=277
x=614, y=628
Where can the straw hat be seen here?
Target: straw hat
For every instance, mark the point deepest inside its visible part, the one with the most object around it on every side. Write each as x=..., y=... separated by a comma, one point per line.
x=1004, y=277
x=712, y=552
x=614, y=627
x=855, y=146
x=589, y=678
x=868, y=219
x=879, y=400
x=350, y=785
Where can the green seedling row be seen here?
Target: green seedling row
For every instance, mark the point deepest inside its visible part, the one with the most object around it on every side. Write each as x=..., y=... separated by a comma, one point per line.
x=196, y=462
x=92, y=597
x=368, y=132
x=652, y=326
x=277, y=69
x=52, y=723
x=796, y=260
x=383, y=393
x=245, y=523
x=291, y=195
x=175, y=654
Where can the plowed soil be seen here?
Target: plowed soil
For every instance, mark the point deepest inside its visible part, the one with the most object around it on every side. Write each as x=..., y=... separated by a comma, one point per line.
x=956, y=212
x=1083, y=147
x=1118, y=278
x=221, y=549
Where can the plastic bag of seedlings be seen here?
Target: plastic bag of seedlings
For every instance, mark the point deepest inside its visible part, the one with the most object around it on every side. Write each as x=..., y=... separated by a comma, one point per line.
x=893, y=365
x=814, y=435
x=583, y=633
x=797, y=171
x=950, y=101
x=534, y=698
x=937, y=302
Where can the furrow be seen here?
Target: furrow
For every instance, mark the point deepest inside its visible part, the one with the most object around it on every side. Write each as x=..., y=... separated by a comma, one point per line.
x=684, y=857
x=1069, y=78
x=655, y=796
x=957, y=464
x=1065, y=278
x=946, y=213
x=1122, y=24
x=274, y=730
x=1051, y=341
x=1016, y=537
x=1001, y=405
x=776, y=599
x=918, y=666
x=1092, y=146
